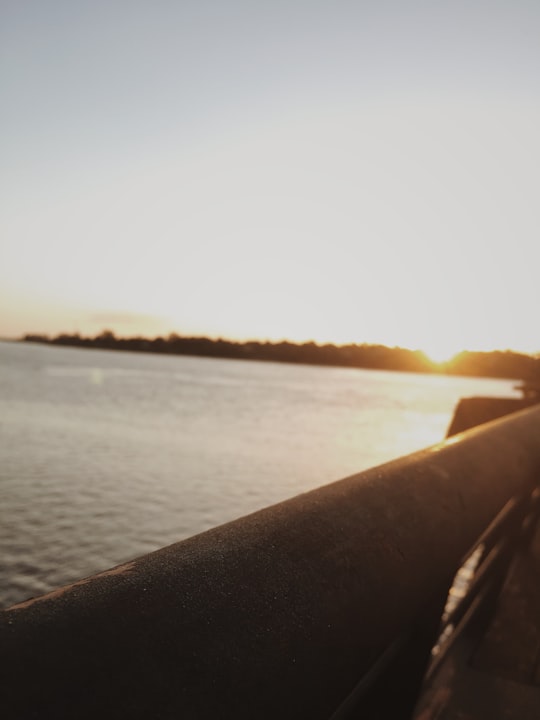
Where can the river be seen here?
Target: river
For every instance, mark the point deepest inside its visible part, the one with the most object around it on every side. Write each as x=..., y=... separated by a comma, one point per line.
x=108, y=455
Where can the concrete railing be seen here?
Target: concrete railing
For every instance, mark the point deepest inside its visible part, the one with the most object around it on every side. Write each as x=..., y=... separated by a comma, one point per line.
x=305, y=609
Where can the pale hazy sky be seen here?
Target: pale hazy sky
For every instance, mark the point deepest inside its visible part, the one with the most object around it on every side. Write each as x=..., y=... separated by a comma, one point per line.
x=338, y=171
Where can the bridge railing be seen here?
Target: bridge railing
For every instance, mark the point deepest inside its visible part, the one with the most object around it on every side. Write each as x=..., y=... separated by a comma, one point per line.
x=326, y=605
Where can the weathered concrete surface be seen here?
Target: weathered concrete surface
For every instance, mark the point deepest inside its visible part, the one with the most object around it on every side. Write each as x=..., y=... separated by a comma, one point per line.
x=276, y=615
x=480, y=696
x=511, y=646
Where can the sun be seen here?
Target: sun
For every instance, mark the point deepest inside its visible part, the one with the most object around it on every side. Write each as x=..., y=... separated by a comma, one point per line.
x=440, y=352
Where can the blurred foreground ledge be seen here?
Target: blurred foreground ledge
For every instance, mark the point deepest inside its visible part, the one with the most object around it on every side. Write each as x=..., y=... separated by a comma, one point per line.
x=328, y=605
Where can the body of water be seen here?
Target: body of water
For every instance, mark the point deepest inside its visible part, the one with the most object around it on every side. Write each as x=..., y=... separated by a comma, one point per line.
x=105, y=456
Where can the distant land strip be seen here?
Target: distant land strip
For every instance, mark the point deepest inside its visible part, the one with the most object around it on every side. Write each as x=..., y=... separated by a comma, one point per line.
x=496, y=364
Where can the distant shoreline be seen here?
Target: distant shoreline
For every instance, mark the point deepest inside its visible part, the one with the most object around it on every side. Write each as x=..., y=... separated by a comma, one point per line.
x=496, y=364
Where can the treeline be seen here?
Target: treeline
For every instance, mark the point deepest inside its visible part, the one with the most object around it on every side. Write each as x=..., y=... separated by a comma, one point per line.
x=495, y=364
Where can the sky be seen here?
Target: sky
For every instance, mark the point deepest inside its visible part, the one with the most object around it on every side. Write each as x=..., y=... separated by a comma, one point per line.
x=306, y=170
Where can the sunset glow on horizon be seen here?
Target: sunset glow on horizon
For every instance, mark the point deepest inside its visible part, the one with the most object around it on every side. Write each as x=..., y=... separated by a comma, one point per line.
x=342, y=173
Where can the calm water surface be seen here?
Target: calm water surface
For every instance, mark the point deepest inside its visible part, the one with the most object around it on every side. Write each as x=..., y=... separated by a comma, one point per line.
x=106, y=455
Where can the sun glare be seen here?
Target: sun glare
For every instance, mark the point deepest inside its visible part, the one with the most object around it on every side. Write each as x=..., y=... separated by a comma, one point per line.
x=439, y=354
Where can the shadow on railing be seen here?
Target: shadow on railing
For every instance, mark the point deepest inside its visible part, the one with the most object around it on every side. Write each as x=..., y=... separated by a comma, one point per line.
x=477, y=583
x=324, y=606
x=469, y=606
